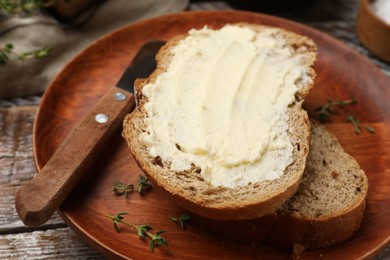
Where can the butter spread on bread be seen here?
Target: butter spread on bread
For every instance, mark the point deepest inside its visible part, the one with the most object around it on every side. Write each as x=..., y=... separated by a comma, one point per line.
x=222, y=105
x=219, y=125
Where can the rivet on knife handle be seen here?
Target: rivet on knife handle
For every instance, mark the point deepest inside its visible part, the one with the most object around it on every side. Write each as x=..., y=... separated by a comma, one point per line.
x=39, y=199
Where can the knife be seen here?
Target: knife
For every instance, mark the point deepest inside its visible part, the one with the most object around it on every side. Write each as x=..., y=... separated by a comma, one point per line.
x=37, y=200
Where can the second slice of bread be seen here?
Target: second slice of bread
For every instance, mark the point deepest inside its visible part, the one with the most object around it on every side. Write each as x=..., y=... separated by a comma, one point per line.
x=329, y=204
x=189, y=189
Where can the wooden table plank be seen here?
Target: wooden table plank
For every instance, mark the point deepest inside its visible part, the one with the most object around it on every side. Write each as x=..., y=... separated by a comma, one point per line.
x=52, y=240
x=9, y=220
x=61, y=243
x=16, y=157
x=16, y=165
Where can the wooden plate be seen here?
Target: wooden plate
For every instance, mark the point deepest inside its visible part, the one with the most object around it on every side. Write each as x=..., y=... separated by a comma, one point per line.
x=342, y=73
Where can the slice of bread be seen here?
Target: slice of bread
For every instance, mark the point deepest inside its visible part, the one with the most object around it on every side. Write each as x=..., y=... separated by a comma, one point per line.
x=329, y=204
x=326, y=209
x=187, y=187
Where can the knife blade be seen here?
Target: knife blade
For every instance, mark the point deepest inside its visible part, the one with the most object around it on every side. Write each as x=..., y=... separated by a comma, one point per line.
x=37, y=200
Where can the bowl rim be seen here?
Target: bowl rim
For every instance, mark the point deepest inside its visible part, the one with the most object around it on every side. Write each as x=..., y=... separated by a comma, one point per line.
x=367, y=4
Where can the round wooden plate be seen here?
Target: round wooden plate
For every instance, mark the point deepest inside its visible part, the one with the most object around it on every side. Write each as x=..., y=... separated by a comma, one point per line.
x=342, y=73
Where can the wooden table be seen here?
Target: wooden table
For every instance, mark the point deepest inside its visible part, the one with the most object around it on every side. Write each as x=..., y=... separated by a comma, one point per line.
x=55, y=239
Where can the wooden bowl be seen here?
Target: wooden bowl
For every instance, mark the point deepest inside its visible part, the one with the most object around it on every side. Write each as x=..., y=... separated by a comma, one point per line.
x=373, y=31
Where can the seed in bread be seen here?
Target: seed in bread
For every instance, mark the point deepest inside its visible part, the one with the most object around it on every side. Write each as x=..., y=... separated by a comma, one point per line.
x=220, y=125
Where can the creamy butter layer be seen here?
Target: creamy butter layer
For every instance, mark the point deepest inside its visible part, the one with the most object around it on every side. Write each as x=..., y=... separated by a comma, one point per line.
x=222, y=105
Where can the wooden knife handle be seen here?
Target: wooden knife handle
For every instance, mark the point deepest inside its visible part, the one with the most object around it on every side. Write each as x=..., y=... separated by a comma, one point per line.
x=37, y=200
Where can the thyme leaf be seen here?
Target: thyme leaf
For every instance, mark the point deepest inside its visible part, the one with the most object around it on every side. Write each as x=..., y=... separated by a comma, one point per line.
x=356, y=124
x=120, y=188
x=370, y=129
x=181, y=220
x=143, y=184
x=157, y=240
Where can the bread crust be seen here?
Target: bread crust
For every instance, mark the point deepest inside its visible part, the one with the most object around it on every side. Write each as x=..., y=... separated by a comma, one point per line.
x=189, y=190
x=315, y=233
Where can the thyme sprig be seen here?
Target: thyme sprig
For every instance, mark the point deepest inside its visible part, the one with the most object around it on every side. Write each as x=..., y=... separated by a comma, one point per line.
x=331, y=108
x=7, y=52
x=24, y=6
x=40, y=53
x=143, y=231
x=356, y=124
x=120, y=188
x=181, y=220
x=143, y=183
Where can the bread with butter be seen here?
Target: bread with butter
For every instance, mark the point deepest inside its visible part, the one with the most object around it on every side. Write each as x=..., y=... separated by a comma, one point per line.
x=327, y=208
x=184, y=167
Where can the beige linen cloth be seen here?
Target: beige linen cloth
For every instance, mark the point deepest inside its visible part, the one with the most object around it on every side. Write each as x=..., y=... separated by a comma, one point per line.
x=34, y=31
